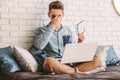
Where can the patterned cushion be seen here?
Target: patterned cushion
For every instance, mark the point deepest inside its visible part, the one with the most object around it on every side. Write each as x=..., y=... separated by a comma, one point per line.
x=112, y=57
x=8, y=63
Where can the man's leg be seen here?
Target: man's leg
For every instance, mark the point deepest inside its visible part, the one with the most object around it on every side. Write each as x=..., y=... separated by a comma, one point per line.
x=87, y=66
x=53, y=66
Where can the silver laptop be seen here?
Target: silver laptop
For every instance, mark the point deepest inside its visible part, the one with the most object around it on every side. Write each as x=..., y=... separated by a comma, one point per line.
x=79, y=52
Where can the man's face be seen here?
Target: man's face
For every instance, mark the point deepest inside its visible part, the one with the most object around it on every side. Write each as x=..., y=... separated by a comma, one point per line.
x=55, y=13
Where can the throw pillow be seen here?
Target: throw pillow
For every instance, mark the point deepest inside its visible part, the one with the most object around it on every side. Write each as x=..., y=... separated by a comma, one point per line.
x=108, y=55
x=7, y=61
x=102, y=52
x=112, y=57
x=25, y=59
x=40, y=57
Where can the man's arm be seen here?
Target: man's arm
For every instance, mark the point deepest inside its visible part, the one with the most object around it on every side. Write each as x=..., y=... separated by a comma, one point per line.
x=77, y=38
x=43, y=37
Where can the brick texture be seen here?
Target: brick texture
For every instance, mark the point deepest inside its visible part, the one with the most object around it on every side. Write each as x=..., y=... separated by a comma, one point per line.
x=19, y=19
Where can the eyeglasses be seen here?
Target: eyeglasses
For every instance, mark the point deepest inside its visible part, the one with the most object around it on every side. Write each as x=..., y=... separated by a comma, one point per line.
x=77, y=27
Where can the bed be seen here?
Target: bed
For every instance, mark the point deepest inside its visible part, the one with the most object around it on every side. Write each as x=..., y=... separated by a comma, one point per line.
x=111, y=73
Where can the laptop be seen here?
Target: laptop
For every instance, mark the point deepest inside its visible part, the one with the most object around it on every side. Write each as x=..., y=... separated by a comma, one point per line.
x=79, y=52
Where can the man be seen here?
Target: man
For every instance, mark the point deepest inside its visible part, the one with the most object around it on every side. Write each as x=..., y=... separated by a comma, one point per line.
x=50, y=39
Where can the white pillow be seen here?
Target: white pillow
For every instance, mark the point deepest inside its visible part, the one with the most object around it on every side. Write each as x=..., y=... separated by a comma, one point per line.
x=102, y=52
x=25, y=59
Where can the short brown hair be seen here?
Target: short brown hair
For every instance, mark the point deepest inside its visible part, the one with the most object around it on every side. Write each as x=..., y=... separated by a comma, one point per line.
x=56, y=5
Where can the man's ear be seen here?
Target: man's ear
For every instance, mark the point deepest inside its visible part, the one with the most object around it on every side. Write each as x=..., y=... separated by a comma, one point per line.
x=49, y=14
x=63, y=14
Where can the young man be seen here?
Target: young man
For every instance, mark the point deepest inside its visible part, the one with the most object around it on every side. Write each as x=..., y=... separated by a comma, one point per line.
x=50, y=39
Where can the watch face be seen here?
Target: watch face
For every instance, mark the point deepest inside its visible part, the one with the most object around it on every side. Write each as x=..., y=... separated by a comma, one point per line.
x=116, y=5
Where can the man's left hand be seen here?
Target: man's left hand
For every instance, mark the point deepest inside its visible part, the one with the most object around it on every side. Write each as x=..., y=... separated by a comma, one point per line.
x=81, y=37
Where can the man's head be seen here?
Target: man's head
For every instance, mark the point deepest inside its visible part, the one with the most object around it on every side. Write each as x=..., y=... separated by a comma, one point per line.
x=56, y=5
x=56, y=10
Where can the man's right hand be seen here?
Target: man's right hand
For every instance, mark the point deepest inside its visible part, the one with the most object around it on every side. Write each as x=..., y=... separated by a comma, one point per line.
x=55, y=22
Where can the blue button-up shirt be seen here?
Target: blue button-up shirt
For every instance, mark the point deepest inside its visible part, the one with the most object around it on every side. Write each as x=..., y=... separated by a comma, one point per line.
x=51, y=40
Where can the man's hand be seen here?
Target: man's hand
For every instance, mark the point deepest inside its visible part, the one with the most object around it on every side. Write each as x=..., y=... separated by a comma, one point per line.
x=55, y=22
x=81, y=37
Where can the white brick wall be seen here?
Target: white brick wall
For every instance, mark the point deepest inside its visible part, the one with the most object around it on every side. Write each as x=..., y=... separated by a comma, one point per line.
x=19, y=19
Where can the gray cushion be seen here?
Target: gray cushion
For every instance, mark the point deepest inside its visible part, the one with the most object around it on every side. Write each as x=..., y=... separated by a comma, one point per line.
x=7, y=61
